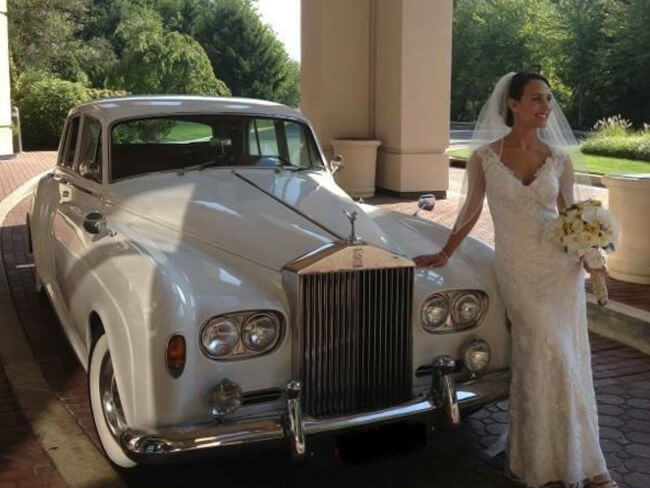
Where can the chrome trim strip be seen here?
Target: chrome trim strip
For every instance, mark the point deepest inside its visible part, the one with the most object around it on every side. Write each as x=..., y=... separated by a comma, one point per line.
x=289, y=206
x=339, y=256
x=295, y=427
x=159, y=446
x=420, y=405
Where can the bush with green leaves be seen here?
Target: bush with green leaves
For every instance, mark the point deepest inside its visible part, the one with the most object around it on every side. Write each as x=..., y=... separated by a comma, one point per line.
x=613, y=137
x=44, y=105
x=99, y=93
x=615, y=126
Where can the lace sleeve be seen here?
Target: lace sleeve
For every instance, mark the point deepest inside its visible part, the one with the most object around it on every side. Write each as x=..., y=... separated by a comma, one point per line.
x=566, y=196
x=474, y=191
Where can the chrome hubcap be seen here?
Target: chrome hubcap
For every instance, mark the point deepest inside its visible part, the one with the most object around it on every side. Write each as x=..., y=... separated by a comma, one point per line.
x=110, y=398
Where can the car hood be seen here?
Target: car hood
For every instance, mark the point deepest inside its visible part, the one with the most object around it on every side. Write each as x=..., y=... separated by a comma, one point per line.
x=262, y=215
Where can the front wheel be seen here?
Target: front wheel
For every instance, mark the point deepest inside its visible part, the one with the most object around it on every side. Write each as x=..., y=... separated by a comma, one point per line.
x=106, y=405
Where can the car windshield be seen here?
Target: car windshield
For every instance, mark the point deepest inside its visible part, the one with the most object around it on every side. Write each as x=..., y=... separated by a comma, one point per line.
x=182, y=142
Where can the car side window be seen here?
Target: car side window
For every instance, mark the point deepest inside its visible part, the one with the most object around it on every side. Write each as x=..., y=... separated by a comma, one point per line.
x=266, y=135
x=90, y=150
x=297, y=144
x=71, y=143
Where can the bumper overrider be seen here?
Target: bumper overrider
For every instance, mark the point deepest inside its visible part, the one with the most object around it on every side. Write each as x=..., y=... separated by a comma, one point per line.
x=442, y=405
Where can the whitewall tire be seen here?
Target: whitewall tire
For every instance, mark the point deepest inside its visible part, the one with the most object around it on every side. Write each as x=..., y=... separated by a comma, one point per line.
x=105, y=404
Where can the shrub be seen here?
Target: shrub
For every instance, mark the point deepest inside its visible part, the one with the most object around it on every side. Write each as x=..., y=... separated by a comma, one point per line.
x=44, y=105
x=634, y=146
x=615, y=126
x=99, y=93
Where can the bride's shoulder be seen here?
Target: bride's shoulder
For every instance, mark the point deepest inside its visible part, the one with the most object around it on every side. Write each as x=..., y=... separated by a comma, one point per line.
x=561, y=159
x=558, y=152
x=482, y=152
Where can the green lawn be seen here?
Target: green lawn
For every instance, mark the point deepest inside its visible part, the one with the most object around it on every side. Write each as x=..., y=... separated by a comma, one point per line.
x=600, y=165
x=188, y=131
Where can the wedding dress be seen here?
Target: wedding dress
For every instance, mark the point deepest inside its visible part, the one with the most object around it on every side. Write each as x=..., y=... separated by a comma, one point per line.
x=553, y=433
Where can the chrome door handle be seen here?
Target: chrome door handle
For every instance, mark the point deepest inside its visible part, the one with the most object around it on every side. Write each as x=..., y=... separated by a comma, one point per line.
x=94, y=223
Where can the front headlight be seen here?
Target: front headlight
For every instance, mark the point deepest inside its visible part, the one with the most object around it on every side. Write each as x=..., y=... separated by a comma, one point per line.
x=466, y=309
x=260, y=332
x=219, y=336
x=240, y=335
x=453, y=310
x=435, y=312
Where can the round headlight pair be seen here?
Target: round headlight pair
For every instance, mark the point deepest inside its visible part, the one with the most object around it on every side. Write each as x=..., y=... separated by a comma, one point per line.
x=442, y=312
x=221, y=335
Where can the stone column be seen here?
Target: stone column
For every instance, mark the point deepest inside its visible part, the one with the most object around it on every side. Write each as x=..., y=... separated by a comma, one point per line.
x=381, y=69
x=6, y=139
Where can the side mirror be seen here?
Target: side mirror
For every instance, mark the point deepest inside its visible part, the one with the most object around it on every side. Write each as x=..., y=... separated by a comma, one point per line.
x=336, y=163
x=426, y=202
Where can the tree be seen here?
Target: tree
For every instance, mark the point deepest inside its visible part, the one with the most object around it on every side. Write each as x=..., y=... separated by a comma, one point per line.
x=153, y=60
x=492, y=37
x=44, y=36
x=623, y=86
x=582, y=67
x=245, y=52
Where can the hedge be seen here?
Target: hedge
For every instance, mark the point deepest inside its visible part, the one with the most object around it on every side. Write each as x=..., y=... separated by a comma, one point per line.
x=634, y=146
x=44, y=105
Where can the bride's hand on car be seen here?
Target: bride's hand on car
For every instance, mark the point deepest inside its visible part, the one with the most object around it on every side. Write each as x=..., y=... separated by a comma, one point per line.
x=431, y=260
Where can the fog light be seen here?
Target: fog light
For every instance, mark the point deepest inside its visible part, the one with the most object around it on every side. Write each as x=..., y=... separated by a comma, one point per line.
x=476, y=354
x=226, y=398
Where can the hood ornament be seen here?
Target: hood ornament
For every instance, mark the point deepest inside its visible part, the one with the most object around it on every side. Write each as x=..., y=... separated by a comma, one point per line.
x=353, y=238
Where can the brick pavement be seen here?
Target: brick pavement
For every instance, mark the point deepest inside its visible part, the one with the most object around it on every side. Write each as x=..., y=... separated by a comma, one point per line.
x=23, y=461
x=622, y=378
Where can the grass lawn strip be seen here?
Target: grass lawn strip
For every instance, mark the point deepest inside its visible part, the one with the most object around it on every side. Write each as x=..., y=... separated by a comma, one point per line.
x=600, y=165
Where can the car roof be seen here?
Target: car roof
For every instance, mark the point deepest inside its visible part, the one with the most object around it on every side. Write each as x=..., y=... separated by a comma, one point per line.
x=109, y=110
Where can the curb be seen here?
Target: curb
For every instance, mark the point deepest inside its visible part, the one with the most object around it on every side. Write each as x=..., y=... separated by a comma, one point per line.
x=621, y=323
x=73, y=454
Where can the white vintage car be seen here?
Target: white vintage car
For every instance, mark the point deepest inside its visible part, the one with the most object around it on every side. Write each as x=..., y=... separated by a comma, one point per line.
x=222, y=290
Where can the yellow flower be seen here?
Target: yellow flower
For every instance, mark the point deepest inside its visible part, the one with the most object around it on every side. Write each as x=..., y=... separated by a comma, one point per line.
x=577, y=225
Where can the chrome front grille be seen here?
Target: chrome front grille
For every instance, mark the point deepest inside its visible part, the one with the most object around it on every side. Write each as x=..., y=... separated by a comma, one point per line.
x=356, y=339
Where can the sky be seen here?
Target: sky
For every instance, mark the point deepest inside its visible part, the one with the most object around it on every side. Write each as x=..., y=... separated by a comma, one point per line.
x=284, y=18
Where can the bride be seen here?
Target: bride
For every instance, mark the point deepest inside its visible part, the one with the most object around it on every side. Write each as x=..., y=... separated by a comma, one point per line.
x=519, y=166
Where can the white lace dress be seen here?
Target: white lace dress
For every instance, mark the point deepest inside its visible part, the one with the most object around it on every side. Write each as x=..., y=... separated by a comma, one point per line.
x=553, y=432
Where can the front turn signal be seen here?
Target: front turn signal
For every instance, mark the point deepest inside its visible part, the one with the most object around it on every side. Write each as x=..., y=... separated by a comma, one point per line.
x=176, y=355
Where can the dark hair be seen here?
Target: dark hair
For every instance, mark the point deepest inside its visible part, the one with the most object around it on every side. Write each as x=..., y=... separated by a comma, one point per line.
x=516, y=90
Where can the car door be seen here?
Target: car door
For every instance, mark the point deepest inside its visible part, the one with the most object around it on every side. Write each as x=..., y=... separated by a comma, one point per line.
x=77, y=224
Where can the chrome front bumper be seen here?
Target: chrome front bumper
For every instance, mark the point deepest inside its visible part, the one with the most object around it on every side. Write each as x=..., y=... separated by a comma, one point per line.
x=442, y=405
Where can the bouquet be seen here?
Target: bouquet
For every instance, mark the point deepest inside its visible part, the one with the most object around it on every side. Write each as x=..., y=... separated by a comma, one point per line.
x=588, y=231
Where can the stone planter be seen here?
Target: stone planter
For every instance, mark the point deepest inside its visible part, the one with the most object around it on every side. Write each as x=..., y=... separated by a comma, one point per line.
x=629, y=201
x=357, y=177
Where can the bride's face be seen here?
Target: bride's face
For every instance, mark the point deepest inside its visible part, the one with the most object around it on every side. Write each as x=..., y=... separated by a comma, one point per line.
x=534, y=108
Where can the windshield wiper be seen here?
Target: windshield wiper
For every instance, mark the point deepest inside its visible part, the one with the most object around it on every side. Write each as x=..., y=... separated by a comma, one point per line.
x=199, y=167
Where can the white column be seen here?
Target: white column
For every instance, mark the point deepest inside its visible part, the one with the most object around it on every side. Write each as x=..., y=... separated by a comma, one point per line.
x=381, y=69
x=413, y=94
x=335, y=68
x=6, y=139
